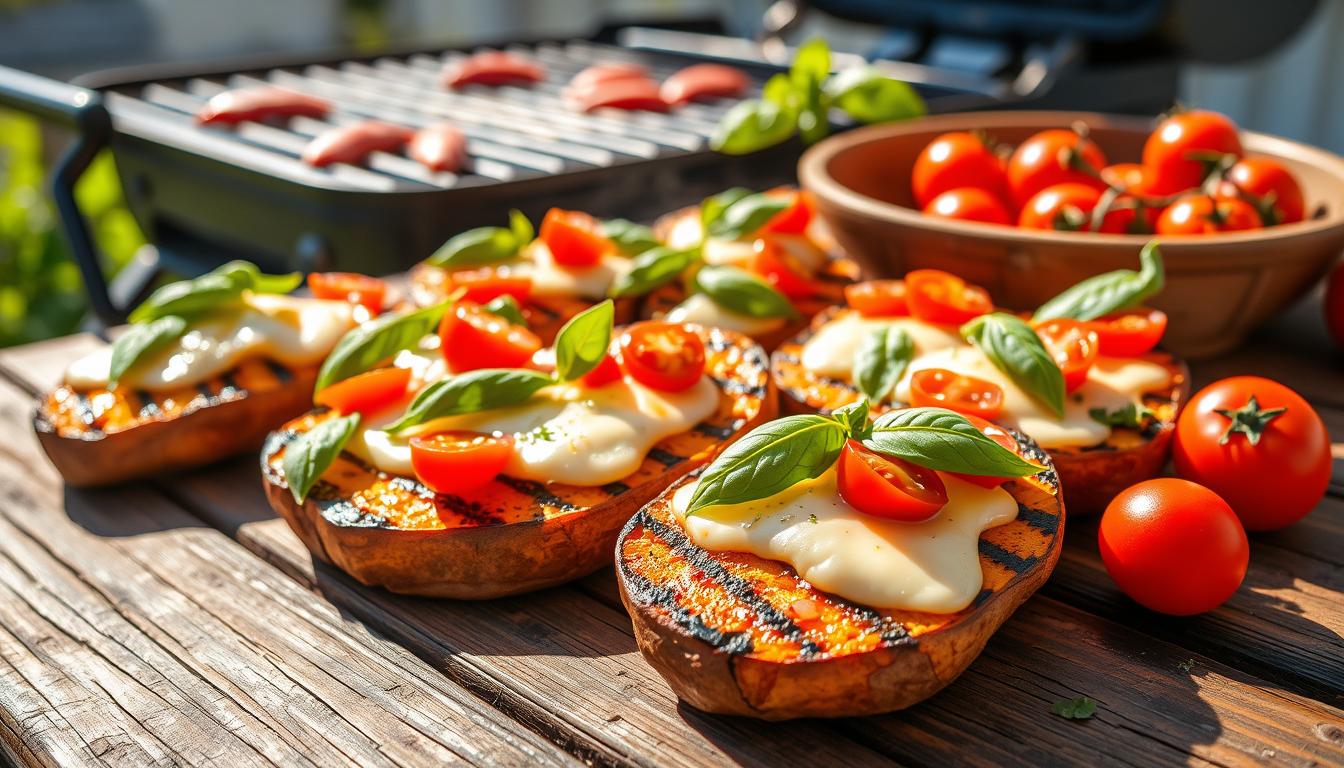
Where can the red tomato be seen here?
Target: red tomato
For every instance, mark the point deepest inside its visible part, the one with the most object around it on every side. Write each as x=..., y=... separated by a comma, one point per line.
x=1129, y=332
x=459, y=462
x=878, y=298
x=574, y=238
x=1064, y=207
x=368, y=292
x=997, y=434
x=956, y=160
x=941, y=388
x=605, y=373
x=637, y=93
x=471, y=338
x=794, y=219
x=1129, y=216
x=1173, y=546
x=260, y=103
x=700, y=82
x=492, y=68
x=1257, y=444
x=1167, y=152
x=1048, y=158
x=488, y=283
x=968, y=204
x=779, y=268
x=1272, y=185
x=353, y=143
x=663, y=356
x=601, y=73
x=941, y=297
x=1334, y=304
x=1073, y=345
x=885, y=486
x=1200, y=214
x=439, y=147
x=367, y=393
x=1130, y=177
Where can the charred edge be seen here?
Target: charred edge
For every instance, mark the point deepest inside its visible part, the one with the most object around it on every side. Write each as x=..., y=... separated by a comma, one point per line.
x=343, y=513
x=890, y=630
x=1034, y=453
x=1012, y=561
x=85, y=409
x=538, y=493
x=714, y=430
x=984, y=595
x=666, y=458
x=229, y=386
x=734, y=386
x=205, y=391
x=149, y=407
x=647, y=593
x=279, y=371
x=788, y=358
x=475, y=513
x=1041, y=521
x=717, y=342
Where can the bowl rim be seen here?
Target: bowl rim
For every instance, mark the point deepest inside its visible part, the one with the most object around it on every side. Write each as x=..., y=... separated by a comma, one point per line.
x=813, y=174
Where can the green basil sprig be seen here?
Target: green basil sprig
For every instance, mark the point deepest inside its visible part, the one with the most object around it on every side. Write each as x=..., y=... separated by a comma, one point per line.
x=853, y=416
x=881, y=360
x=632, y=239
x=218, y=289
x=485, y=245
x=1131, y=415
x=583, y=341
x=506, y=306
x=312, y=452
x=712, y=207
x=740, y=291
x=365, y=346
x=940, y=439
x=753, y=125
x=746, y=215
x=140, y=339
x=470, y=392
x=653, y=268
x=871, y=97
x=1108, y=292
x=1015, y=349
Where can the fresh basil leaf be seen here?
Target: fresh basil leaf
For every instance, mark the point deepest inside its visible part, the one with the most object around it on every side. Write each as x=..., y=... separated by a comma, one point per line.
x=811, y=66
x=779, y=90
x=1015, y=349
x=365, y=346
x=506, y=307
x=1081, y=708
x=477, y=247
x=141, y=339
x=711, y=208
x=653, y=268
x=583, y=341
x=811, y=62
x=631, y=238
x=310, y=454
x=258, y=282
x=747, y=215
x=190, y=298
x=881, y=360
x=1110, y=291
x=521, y=228
x=1131, y=416
x=854, y=417
x=940, y=439
x=869, y=96
x=740, y=291
x=470, y=392
x=770, y=459
x=752, y=125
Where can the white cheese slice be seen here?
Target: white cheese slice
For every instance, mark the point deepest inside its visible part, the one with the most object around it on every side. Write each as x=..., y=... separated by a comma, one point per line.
x=831, y=350
x=552, y=279
x=699, y=308
x=736, y=253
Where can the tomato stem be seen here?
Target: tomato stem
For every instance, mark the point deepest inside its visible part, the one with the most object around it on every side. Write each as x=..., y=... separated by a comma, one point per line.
x=1249, y=420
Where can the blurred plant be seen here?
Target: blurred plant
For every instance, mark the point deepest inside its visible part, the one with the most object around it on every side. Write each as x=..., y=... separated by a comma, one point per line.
x=41, y=293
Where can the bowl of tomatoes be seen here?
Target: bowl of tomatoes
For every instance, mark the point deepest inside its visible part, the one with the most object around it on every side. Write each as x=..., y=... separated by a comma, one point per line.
x=1029, y=203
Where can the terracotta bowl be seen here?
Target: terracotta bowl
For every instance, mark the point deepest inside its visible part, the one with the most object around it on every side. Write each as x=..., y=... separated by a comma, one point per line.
x=1219, y=287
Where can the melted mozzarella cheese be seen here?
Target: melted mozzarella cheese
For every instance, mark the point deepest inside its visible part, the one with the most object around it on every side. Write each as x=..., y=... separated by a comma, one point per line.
x=831, y=350
x=564, y=434
x=290, y=330
x=732, y=252
x=699, y=308
x=686, y=233
x=932, y=566
x=552, y=279
x=1112, y=383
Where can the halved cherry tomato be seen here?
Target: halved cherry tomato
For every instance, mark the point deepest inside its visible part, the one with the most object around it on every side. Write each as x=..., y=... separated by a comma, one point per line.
x=459, y=462
x=663, y=356
x=353, y=143
x=260, y=103
x=968, y=204
x=605, y=373
x=601, y=73
x=878, y=298
x=997, y=434
x=705, y=81
x=885, y=486
x=441, y=147
x=955, y=160
x=773, y=262
x=1201, y=214
x=636, y=93
x=941, y=388
x=367, y=393
x=1272, y=185
x=574, y=238
x=472, y=338
x=492, y=68
x=1168, y=151
x=1065, y=207
x=1045, y=159
x=794, y=219
x=942, y=297
x=1073, y=345
x=488, y=283
x=1131, y=177
x=368, y=292
x=1129, y=332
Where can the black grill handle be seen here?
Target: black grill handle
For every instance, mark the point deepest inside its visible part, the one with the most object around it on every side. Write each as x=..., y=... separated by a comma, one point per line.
x=82, y=110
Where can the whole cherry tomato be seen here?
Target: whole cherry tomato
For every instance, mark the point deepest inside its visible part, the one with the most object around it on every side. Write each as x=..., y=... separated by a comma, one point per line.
x=1334, y=304
x=1130, y=177
x=942, y=297
x=1064, y=207
x=1257, y=444
x=459, y=462
x=773, y=262
x=441, y=147
x=492, y=68
x=366, y=393
x=700, y=82
x=1073, y=345
x=1173, y=546
x=353, y=143
x=368, y=292
x=260, y=103
x=1127, y=215
x=885, y=486
x=1053, y=157
x=1200, y=214
x=1129, y=332
x=997, y=434
x=1277, y=195
x=471, y=338
x=574, y=238
x=662, y=356
x=1171, y=151
x=878, y=298
x=957, y=160
x=968, y=204
x=941, y=388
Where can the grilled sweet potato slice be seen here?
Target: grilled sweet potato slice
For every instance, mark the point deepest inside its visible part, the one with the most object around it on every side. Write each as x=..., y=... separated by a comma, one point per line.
x=1090, y=476
x=100, y=437
x=513, y=536
x=734, y=633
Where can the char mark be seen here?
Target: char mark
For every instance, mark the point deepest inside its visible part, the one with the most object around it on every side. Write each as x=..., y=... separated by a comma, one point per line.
x=538, y=493
x=1012, y=561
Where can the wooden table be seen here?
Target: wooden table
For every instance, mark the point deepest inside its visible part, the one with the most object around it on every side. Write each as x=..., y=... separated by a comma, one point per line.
x=180, y=622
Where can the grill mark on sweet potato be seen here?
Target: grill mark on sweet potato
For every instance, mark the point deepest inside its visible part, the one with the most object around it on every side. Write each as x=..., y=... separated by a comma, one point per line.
x=281, y=373
x=615, y=489
x=1014, y=562
x=714, y=430
x=665, y=458
x=665, y=597
x=538, y=493
x=1045, y=523
x=149, y=407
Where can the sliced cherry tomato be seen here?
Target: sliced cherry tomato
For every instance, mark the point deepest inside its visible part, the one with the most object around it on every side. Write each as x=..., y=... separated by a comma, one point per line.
x=700, y=82
x=773, y=262
x=1200, y=214
x=472, y=338
x=492, y=68
x=489, y=283
x=941, y=388
x=574, y=238
x=1170, y=151
x=633, y=93
x=1130, y=177
x=441, y=147
x=997, y=434
x=260, y=103
x=367, y=393
x=941, y=297
x=1051, y=157
x=1063, y=207
x=1129, y=332
x=794, y=219
x=368, y=292
x=601, y=73
x=1276, y=192
x=878, y=298
x=605, y=373
x=353, y=143
x=956, y=160
x=885, y=486
x=1073, y=345
x=968, y=204
x=663, y=356
x=459, y=462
